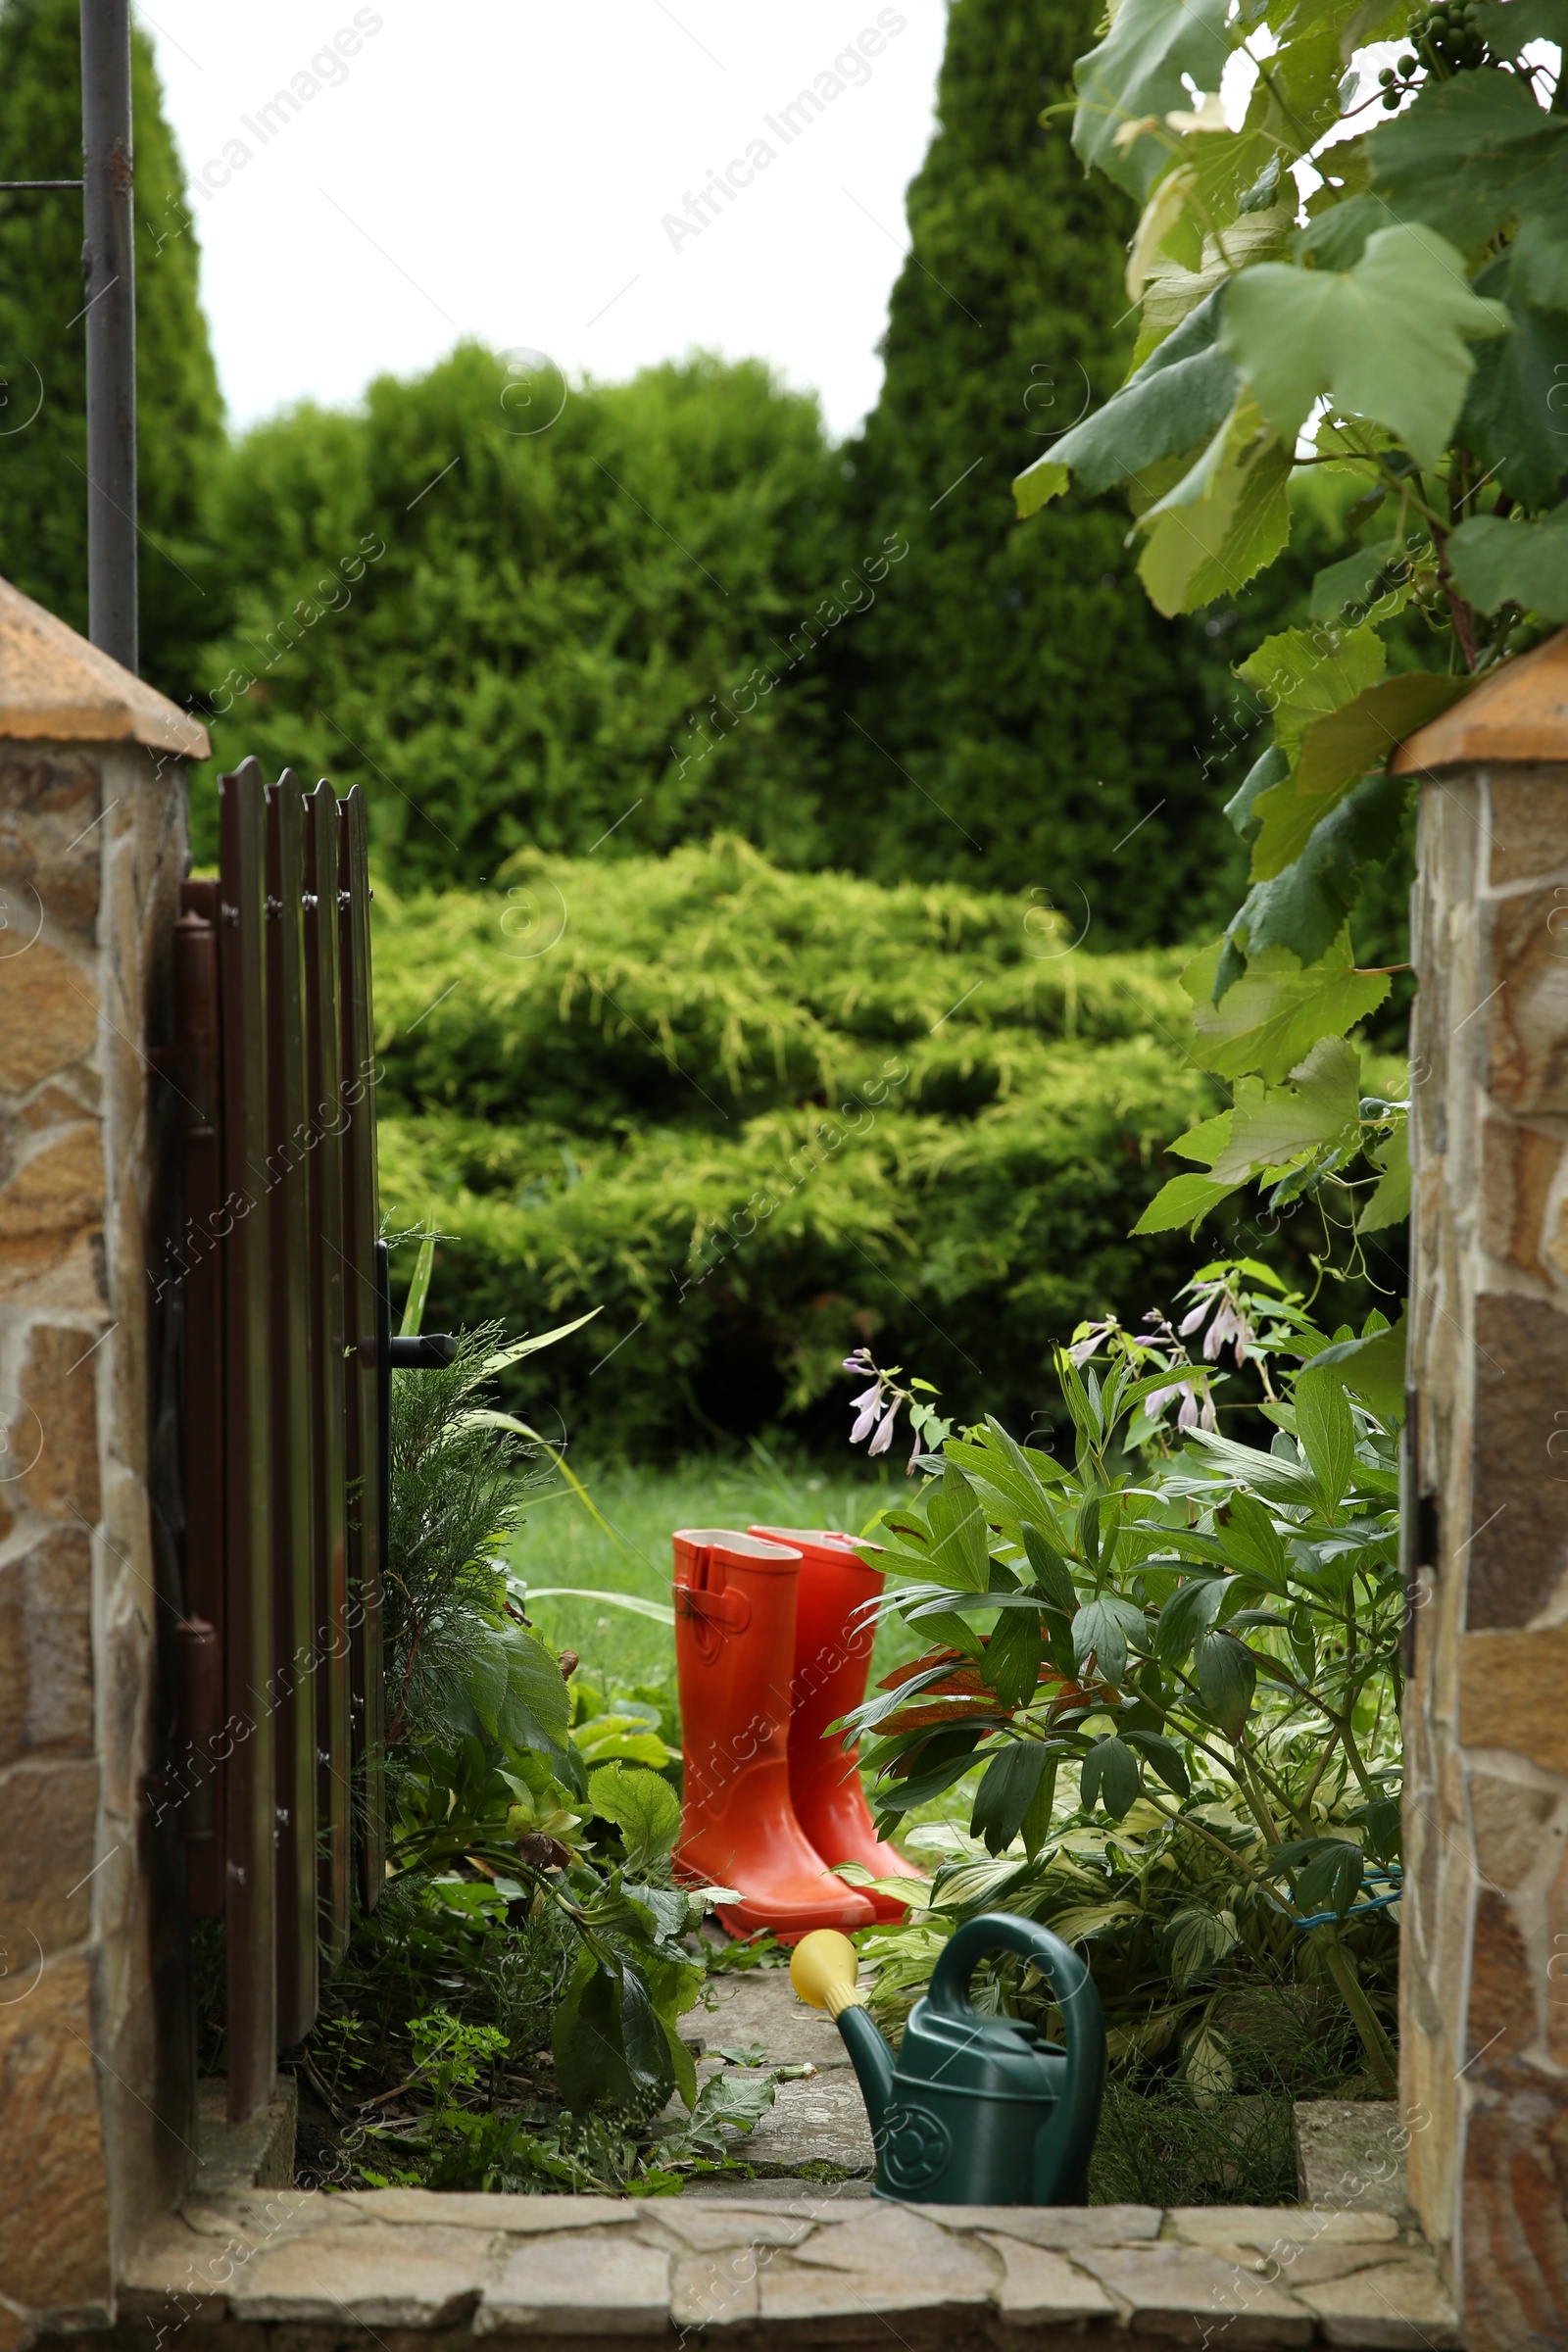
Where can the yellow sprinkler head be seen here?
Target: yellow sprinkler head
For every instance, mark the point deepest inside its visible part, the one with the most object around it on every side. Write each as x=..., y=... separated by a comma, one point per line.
x=824, y=1970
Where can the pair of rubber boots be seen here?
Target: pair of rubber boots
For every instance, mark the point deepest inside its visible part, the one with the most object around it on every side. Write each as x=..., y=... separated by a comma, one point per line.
x=773, y=1644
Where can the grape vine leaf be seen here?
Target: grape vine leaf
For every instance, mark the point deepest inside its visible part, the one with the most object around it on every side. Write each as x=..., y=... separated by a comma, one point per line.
x=1495, y=563
x=1390, y=1203
x=1228, y=516
x=1337, y=751
x=1275, y=1126
x=1515, y=417
x=1134, y=78
x=1185, y=1201
x=1303, y=906
x=1509, y=30
x=1389, y=339
x=1269, y=1018
x=1302, y=675
x=1173, y=403
x=1470, y=154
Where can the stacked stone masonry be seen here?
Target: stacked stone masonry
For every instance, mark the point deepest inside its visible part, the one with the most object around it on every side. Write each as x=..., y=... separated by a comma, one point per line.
x=1485, y=1929
x=92, y=847
x=417, y=2266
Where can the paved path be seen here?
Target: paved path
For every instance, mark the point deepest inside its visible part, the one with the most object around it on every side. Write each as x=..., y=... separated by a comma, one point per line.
x=819, y=2119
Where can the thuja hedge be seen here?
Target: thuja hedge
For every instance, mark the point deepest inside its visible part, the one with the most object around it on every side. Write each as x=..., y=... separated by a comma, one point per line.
x=756, y=1117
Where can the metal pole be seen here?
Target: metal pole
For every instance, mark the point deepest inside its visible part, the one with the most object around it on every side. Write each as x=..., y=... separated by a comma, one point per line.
x=109, y=271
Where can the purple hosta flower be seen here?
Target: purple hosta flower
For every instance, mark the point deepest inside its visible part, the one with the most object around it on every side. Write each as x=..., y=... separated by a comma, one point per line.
x=1189, y=1321
x=1230, y=1328
x=884, y=1436
x=865, y=1409
x=1197, y=1406
x=1093, y=1339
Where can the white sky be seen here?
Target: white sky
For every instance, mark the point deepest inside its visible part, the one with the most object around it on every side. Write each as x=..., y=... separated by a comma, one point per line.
x=501, y=169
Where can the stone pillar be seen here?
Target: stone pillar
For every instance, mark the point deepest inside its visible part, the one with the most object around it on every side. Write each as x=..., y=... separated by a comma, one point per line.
x=1484, y=1956
x=95, y=2093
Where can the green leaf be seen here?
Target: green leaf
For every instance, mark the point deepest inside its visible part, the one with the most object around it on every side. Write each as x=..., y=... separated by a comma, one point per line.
x=960, y=1556
x=605, y=2038
x=1227, y=1678
x=1270, y=1019
x=643, y=1807
x=1205, y=1142
x=1136, y=74
x=1051, y=1571
x=1188, y=1616
x=1304, y=907
x=1304, y=676
x=1258, y=1473
x=1495, y=563
x=1508, y=30
x=1166, y=1758
x=1471, y=153
x=1345, y=587
x=1390, y=1203
x=1516, y=412
x=538, y=1704
x=1270, y=1126
x=1195, y=1940
x=1270, y=767
x=1102, y=1627
x=1185, y=1201
x=1337, y=751
x=1109, y=1775
x=1037, y=1819
x=1374, y=1368
x=1011, y=1661
x=659, y=1610
x=1327, y=1434
x=1389, y=339
x=1175, y=402
x=1337, y=238
x=1225, y=520
x=1007, y=1789
x=419, y=1289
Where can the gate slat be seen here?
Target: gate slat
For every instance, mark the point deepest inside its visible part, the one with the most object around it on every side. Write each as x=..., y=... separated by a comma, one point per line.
x=293, y=1521
x=362, y=1228
x=249, y=1905
x=197, y=1781
x=328, y=1398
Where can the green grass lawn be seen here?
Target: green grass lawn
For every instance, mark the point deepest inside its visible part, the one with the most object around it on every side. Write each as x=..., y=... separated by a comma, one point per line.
x=559, y=1544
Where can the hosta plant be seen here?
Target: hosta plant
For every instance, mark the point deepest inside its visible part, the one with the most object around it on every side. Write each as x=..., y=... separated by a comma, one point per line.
x=1211, y=1635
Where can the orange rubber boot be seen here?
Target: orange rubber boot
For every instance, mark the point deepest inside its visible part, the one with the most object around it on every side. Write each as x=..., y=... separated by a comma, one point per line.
x=735, y=1602
x=832, y=1659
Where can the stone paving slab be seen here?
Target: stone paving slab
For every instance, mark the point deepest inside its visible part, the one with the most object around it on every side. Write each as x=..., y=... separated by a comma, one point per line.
x=764, y=2008
x=409, y=2266
x=1351, y=2152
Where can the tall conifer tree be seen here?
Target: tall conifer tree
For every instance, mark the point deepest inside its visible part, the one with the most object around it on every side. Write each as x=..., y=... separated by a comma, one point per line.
x=43, y=510
x=1013, y=709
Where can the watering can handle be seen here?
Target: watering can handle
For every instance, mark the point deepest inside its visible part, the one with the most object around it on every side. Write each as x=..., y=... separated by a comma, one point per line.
x=1061, y=2151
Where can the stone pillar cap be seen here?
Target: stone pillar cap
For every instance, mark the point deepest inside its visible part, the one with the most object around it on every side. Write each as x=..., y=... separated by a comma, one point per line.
x=56, y=687
x=1518, y=712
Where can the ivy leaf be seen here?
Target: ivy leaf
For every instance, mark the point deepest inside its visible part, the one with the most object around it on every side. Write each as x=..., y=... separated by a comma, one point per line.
x=1226, y=519
x=1173, y=403
x=1272, y=1126
x=1390, y=1203
x=1337, y=751
x=1007, y=1791
x=1495, y=563
x=1271, y=1017
x=1184, y=1201
x=1227, y=1678
x=1135, y=77
x=1389, y=339
x=1108, y=1775
x=1303, y=908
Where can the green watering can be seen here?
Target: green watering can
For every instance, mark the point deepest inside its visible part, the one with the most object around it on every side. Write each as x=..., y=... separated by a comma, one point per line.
x=974, y=2110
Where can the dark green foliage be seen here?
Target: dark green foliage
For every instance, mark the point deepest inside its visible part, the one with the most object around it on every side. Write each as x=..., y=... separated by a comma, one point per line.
x=758, y=1117
x=1040, y=708
x=526, y=653
x=43, y=509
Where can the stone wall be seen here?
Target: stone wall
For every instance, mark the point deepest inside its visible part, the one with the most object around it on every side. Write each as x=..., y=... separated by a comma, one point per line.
x=92, y=847
x=1485, y=1962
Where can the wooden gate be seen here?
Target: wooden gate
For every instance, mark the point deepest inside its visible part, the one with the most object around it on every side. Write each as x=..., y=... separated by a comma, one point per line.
x=287, y=1360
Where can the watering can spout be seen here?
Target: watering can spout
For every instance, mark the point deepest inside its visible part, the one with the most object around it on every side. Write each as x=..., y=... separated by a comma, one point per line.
x=824, y=1972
